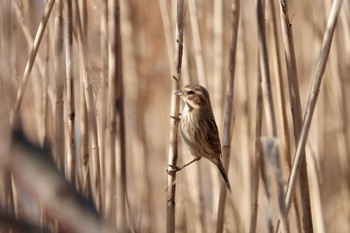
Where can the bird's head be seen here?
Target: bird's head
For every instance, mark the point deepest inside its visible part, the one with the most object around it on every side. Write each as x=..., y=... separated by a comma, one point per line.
x=195, y=96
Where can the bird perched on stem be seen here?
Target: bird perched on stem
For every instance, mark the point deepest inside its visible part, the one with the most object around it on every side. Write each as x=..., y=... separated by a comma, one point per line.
x=198, y=128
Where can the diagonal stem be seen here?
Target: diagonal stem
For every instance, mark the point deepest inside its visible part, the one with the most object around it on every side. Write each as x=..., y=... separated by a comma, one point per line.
x=311, y=105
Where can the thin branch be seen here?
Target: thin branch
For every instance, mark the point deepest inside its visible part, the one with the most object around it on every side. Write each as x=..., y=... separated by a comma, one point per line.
x=70, y=159
x=217, y=80
x=228, y=129
x=59, y=83
x=30, y=62
x=283, y=130
x=295, y=104
x=175, y=104
x=267, y=96
x=90, y=105
x=84, y=182
x=115, y=56
x=107, y=161
x=28, y=35
x=312, y=100
x=256, y=169
x=265, y=72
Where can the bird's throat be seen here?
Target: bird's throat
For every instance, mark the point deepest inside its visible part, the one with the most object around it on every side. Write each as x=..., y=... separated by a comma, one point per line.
x=186, y=110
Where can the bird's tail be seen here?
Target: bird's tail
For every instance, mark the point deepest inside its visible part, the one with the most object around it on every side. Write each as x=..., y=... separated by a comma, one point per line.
x=223, y=173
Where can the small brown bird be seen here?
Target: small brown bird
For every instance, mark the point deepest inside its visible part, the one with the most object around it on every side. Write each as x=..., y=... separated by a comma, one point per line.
x=198, y=127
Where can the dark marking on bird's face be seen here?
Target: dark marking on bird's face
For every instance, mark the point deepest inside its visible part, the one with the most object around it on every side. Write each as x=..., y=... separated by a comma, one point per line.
x=195, y=96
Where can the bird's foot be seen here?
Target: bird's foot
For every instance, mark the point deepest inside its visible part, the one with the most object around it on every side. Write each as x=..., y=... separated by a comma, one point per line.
x=173, y=169
x=176, y=119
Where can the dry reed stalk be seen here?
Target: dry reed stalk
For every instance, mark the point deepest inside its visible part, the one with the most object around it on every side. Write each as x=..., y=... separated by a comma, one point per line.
x=312, y=100
x=39, y=34
x=217, y=80
x=59, y=83
x=283, y=130
x=7, y=36
x=265, y=85
x=83, y=181
x=117, y=122
x=58, y=75
x=294, y=94
x=265, y=73
x=196, y=42
x=257, y=156
x=44, y=101
x=268, y=102
x=345, y=112
x=70, y=159
x=43, y=217
x=5, y=144
x=103, y=113
x=111, y=121
x=186, y=68
x=83, y=6
x=243, y=170
x=10, y=189
x=38, y=74
x=168, y=33
x=199, y=215
x=90, y=106
x=175, y=104
x=228, y=125
x=28, y=35
x=295, y=104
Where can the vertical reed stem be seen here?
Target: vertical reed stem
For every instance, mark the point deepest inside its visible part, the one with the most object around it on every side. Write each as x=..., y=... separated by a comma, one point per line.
x=312, y=100
x=228, y=129
x=59, y=81
x=175, y=104
x=70, y=160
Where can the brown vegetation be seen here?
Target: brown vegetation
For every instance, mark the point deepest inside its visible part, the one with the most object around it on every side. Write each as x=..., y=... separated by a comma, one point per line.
x=91, y=83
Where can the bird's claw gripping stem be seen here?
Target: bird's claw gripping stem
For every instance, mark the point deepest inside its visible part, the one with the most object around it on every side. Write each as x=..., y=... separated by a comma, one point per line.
x=176, y=119
x=173, y=169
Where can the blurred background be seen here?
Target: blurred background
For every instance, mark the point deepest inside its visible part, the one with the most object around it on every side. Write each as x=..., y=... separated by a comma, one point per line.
x=148, y=42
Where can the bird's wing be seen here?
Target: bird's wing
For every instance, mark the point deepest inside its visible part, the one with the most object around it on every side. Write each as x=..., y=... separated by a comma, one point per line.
x=212, y=136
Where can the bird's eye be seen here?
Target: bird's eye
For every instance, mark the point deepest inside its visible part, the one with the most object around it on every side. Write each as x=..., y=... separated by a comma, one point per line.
x=190, y=92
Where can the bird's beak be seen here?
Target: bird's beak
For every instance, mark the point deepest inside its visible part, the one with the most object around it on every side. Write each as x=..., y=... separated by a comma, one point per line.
x=178, y=93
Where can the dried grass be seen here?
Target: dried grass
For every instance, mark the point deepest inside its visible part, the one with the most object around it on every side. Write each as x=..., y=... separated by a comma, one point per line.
x=99, y=100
